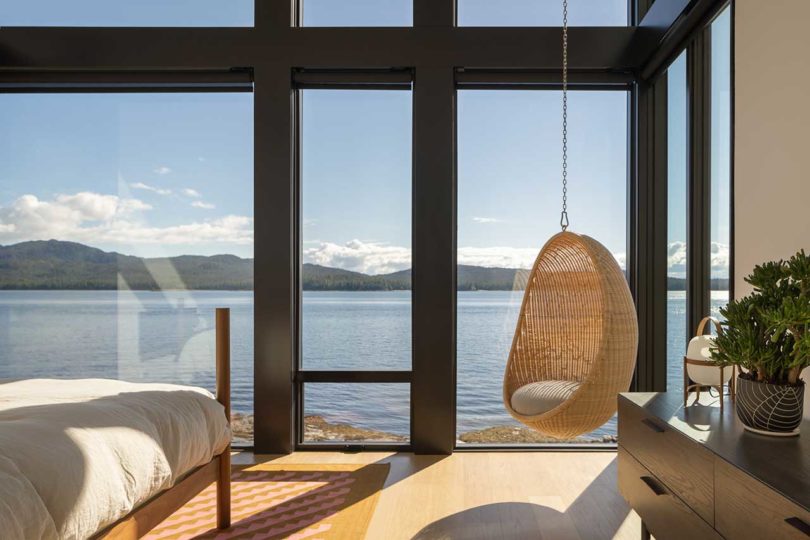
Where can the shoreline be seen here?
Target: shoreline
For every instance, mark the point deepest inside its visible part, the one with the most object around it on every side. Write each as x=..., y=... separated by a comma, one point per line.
x=318, y=429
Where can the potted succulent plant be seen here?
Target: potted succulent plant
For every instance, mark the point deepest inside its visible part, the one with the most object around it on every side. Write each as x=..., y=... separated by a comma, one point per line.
x=767, y=334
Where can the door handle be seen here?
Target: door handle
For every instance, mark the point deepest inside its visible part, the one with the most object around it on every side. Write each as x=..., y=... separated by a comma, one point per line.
x=653, y=484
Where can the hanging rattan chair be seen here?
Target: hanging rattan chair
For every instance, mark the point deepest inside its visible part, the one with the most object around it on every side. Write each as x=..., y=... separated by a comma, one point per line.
x=575, y=344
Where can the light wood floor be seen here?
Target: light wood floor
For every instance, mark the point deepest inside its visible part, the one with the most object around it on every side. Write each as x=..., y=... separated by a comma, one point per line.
x=491, y=495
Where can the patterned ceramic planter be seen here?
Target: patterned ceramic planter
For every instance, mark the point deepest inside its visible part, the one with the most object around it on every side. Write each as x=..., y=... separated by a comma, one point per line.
x=770, y=409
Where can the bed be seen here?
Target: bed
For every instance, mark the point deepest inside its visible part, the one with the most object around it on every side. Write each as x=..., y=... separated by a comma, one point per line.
x=97, y=458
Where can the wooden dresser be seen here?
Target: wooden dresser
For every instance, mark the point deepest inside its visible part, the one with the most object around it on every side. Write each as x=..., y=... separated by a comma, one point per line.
x=693, y=473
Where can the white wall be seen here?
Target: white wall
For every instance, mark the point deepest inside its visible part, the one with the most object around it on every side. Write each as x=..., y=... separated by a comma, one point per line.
x=772, y=136
x=772, y=133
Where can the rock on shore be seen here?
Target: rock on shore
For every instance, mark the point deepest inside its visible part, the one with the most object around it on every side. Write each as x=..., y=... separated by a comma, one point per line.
x=318, y=429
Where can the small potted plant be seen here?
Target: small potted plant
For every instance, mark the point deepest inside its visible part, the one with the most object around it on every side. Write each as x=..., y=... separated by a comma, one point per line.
x=767, y=334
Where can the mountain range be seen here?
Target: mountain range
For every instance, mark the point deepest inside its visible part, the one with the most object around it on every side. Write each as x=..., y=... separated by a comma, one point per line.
x=54, y=264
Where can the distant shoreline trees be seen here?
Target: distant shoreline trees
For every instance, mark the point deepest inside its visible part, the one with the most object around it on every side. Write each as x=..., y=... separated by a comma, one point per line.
x=57, y=265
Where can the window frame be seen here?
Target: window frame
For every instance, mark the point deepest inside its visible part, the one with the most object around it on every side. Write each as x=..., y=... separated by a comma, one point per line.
x=130, y=82
x=471, y=80
x=347, y=80
x=275, y=51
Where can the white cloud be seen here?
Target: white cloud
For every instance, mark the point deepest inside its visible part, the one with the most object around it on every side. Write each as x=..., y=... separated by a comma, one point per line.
x=188, y=192
x=162, y=170
x=677, y=259
x=147, y=187
x=203, y=205
x=486, y=220
x=720, y=257
x=377, y=258
x=497, y=257
x=97, y=219
x=228, y=230
x=358, y=256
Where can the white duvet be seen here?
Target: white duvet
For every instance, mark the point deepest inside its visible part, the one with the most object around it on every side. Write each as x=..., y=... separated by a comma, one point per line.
x=77, y=455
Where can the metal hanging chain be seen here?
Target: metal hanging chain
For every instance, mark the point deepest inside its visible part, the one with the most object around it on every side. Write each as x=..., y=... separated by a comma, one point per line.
x=564, y=214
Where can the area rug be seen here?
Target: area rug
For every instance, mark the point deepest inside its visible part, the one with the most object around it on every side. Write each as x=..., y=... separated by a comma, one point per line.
x=328, y=502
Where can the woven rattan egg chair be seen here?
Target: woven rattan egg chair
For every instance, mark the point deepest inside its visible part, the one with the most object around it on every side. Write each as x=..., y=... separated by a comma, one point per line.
x=575, y=344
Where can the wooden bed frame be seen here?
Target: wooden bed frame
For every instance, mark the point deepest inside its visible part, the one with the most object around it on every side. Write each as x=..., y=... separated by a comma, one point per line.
x=149, y=514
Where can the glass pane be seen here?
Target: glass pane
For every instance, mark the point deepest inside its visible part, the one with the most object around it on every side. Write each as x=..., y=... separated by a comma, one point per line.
x=358, y=12
x=332, y=413
x=127, y=13
x=677, y=157
x=125, y=220
x=356, y=184
x=509, y=198
x=541, y=13
x=721, y=159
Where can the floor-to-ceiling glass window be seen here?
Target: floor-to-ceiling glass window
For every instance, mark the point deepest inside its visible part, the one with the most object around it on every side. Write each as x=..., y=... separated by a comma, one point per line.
x=720, y=220
x=509, y=203
x=677, y=224
x=125, y=220
x=356, y=251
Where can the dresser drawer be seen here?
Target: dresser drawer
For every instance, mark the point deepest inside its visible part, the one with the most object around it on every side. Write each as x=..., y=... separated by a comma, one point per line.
x=683, y=465
x=665, y=515
x=746, y=508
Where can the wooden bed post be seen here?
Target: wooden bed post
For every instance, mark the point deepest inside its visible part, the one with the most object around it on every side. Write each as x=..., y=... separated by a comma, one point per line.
x=223, y=359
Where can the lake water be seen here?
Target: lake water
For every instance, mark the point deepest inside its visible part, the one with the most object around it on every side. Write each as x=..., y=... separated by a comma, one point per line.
x=168, y=337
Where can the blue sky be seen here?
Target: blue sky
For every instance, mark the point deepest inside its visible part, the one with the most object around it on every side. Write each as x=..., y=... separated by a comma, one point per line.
x=509, y=170
x=721, y=153
x=166, y=174
x=357, y=175
x=126, y=12
x=147, y=174
x=316, y=12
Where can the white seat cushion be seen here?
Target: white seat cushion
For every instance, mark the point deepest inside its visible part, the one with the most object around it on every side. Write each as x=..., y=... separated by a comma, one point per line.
x=540, y=397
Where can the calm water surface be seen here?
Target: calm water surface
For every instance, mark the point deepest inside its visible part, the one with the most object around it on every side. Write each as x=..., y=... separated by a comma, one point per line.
x=168, y=337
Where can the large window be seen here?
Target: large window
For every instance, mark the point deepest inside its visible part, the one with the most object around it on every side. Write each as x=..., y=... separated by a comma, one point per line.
x=125, y=220
x=720, y=159
x=719, y=185
x=541, y=13
x=677, y=193
x=126, y=13
x=356, y=223
x=357, y=12
x=127, y=217
x=509, y=198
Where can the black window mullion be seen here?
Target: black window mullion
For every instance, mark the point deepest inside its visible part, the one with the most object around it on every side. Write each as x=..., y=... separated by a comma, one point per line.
x=433, y=390
x=349, y=377
x=276, y=255
x=648, y=231
x=698, y=68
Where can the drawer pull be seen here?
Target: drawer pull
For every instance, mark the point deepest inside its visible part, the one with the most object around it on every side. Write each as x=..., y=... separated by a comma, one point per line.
x=800, y=524
x=653, y=484
x=653, y=425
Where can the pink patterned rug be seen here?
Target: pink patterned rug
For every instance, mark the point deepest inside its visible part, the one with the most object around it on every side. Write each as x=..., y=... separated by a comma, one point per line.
x=329, y=502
